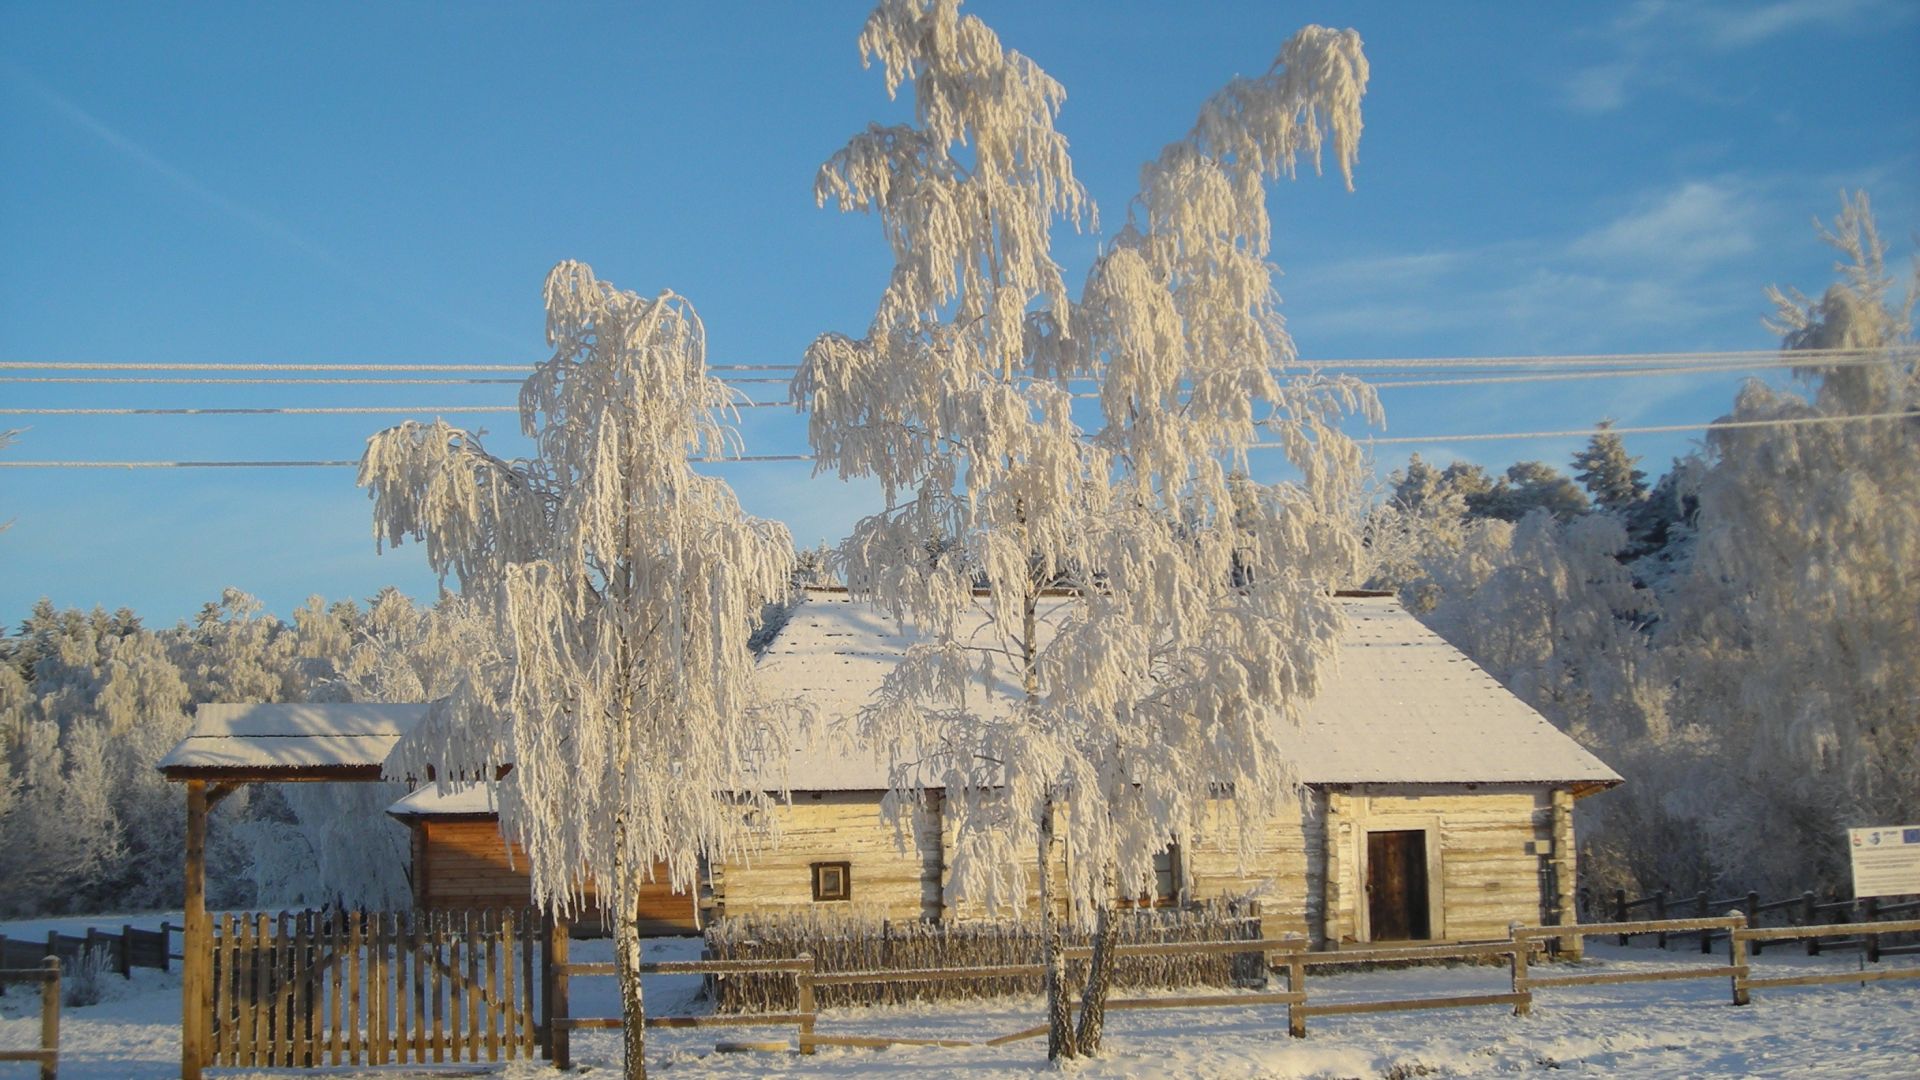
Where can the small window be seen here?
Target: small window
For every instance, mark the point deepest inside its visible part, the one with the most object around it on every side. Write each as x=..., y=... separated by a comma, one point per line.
x=832, y=881
x=1166, y=882
x=1166, y=876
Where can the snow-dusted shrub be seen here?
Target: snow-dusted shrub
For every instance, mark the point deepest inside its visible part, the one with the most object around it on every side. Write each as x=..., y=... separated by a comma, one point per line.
x=83, y=981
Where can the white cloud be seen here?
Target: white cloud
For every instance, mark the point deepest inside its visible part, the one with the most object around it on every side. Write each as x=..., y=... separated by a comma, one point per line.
x=1602, y=88
x=1702, y=221
x=1738, y=28
x=1654, y=41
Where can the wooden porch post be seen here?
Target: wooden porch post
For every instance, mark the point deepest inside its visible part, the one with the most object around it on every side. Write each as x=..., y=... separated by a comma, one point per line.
x=196, y=964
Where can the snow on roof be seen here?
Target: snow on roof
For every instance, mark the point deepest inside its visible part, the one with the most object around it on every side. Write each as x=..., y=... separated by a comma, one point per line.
x=1403, y=707
x=290, y=739
x=1407, y=707
x=459, y=799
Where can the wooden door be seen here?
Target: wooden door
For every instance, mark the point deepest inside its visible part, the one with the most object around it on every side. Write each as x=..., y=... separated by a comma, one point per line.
x=1397, y=885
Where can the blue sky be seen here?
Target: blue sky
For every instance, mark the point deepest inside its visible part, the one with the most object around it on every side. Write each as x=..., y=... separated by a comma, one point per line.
x=390, y=183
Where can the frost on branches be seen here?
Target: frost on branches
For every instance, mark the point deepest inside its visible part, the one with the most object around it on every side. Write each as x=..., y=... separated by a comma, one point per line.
x=623, y=586
x=1156, y=618
x=1738, y=642
x=1802, y=607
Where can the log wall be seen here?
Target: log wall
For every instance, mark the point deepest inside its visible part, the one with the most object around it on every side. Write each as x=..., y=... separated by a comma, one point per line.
x=894, y=873
x=1486, y=852
x=1281, y=873
x=465, y=864
x=1488, y=848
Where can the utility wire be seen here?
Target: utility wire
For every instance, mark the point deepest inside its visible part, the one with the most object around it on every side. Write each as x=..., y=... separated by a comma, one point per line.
x=94, y=365
x=1388, y=384
x=1657, y=429
x=340, y=410
x=1518, y=360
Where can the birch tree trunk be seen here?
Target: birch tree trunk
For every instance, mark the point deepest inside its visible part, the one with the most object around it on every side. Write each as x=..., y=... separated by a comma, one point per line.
x=1093, y=1000
x=626, y=951
x=1060, y=1040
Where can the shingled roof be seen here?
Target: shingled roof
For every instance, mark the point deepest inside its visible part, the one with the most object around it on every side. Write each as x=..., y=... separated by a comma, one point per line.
x=1403, y=707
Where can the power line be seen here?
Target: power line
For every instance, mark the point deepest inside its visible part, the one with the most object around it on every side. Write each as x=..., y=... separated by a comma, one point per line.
x=1391, y=384
x=1389, y=363
x=339, y=410
x=142, y=381
x=1657, y=429
x=96, y=365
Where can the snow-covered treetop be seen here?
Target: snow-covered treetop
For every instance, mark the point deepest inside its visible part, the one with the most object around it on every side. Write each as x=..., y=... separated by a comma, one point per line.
x=623, y=585
x=1199, y=598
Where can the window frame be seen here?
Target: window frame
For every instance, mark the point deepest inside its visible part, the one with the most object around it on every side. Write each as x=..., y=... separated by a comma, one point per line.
x=846, y=882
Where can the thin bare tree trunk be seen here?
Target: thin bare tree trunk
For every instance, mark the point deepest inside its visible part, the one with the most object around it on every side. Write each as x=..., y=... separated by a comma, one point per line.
x=633, y=1008
x=1060, y=1038
x=626, y=955
x=1093, y=1001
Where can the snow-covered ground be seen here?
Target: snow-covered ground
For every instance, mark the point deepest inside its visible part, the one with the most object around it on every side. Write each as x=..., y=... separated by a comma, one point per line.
x=1676, y=1029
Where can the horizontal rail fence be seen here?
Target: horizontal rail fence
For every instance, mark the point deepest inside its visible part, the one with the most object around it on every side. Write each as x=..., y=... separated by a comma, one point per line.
x=1802, y=910
x=1005, y=947
x=47, y=974
x=1735, y=969
x=1286, y=956
x=1260, y=950
x=132, y=947
x=1812, y=933
x=798, y=969
x=308, y=989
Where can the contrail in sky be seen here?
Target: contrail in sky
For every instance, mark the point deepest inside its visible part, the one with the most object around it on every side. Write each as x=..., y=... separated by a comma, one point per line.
x=190, y=185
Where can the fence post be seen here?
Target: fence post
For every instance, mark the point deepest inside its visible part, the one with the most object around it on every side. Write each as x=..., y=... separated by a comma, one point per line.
x=1737, y=959
x=1808, y=918
x=1873, y=940
x=1620, y=910
x=1753, y=918
x=805, y=980
x=1296, y=986
x=126, y=950
x=559, y=1035
x=1517, y=963
x=1703, y=910
x=50, y=1020
x=1660, y=912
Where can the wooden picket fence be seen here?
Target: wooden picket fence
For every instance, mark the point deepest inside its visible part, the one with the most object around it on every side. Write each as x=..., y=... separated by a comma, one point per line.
x=48, y=976
x=316, y=989
x=306, y=989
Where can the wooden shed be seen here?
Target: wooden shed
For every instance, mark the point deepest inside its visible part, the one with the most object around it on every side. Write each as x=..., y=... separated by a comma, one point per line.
x=1436, y=805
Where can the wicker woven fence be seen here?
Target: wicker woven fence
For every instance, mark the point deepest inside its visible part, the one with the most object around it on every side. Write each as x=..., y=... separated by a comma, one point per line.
x=841, y=943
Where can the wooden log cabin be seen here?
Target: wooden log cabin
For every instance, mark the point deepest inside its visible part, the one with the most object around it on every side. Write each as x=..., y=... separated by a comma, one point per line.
x=1435, y=804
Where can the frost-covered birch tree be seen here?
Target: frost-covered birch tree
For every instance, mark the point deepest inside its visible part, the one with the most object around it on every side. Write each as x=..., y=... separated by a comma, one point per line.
x=1151, y=622
x=624, y=586
x=1800, y=610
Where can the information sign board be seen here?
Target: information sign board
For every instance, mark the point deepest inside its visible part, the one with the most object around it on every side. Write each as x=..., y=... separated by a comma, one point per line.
x=1886, y=860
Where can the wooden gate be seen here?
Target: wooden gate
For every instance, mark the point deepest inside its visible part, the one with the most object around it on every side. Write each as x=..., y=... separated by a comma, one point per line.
x=299, y=990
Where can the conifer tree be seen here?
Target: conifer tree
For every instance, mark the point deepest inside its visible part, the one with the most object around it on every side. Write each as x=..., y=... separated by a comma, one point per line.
x=1608, y=473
